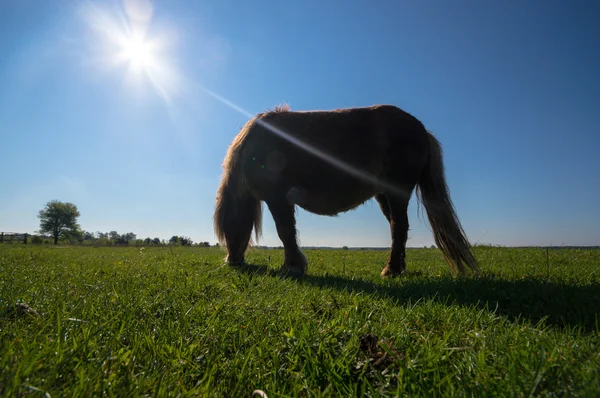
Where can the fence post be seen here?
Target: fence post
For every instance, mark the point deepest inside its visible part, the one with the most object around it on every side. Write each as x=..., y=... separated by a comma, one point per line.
x=2, y=237
x=25, y=238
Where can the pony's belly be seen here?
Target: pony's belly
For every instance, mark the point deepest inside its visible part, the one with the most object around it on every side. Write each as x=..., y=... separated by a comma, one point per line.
x=329, y=202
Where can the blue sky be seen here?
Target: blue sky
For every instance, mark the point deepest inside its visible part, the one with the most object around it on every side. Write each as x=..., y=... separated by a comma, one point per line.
x=510, y=88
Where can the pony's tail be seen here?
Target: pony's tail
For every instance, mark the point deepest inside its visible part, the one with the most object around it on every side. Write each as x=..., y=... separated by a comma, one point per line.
x=236, y=210
x=447, y=230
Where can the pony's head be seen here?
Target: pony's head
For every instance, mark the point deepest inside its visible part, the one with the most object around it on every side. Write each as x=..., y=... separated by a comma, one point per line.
x=233, y=224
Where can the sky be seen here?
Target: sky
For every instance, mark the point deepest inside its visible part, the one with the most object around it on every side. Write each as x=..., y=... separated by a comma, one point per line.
x=126, y=109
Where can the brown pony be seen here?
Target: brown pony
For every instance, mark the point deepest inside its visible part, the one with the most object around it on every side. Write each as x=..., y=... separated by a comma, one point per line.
x=329, y=162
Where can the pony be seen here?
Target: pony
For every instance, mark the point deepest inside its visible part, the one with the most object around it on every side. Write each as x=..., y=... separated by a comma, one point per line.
x=329, y=162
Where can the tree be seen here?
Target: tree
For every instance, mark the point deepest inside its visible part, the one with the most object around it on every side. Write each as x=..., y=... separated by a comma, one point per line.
x=129, y=237
x=59, y=219
x=74, y=235
x=185, y=241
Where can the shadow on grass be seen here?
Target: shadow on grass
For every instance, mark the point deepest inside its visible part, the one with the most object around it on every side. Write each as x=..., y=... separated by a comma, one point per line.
x=532, y=299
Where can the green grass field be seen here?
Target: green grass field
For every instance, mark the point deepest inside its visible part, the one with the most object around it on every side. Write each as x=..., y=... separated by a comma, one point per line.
x=177, y=322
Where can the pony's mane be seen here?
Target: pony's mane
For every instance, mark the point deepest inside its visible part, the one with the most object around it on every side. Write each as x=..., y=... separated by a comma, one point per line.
x=280, y=109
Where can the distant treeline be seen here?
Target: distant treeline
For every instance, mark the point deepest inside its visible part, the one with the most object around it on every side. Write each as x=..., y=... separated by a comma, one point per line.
x=113, y=238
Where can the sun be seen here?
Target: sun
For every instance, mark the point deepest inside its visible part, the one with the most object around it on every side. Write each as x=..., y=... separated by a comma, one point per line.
x=138, y=52
x=126, y=38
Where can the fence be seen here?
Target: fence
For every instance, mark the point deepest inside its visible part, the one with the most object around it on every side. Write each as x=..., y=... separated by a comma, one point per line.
x=13, y=236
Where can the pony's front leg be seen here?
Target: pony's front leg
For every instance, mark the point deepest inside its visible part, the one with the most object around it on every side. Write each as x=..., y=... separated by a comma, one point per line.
x=295, y=263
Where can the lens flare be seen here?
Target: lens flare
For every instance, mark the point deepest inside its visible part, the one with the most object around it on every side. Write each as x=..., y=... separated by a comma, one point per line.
x=126, y=39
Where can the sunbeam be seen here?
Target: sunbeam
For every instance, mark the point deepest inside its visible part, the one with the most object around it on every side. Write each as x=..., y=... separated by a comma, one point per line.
x=328, y=157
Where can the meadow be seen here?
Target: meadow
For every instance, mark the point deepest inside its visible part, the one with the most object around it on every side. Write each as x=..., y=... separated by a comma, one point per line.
x=177, y=322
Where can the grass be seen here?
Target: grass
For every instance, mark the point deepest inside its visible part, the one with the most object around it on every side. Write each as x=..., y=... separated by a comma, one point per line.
x=176, y=322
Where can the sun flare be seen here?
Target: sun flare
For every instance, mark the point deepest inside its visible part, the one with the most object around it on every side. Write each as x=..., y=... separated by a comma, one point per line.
x=126, y=40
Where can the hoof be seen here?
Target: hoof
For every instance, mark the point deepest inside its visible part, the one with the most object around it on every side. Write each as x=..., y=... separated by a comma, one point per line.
x=291, y=271
x=388, y=272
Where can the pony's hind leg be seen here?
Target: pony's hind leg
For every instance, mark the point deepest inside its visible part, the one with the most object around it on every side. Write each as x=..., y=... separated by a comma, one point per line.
x=395, y=210
x=295, y=262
